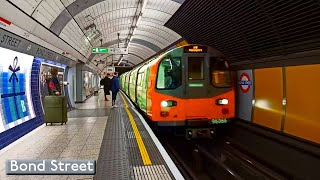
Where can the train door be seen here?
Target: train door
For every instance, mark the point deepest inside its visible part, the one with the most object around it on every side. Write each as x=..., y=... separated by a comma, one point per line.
x=196, y=80
x=196, y=75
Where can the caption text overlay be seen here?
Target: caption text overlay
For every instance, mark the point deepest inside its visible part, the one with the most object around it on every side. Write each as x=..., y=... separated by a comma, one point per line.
x=51, y=167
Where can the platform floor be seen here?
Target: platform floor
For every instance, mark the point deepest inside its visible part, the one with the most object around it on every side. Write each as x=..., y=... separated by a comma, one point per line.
x=80, y=138
x=118, y=138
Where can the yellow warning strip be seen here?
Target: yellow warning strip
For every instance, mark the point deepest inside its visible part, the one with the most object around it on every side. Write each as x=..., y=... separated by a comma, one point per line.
x=143, y=151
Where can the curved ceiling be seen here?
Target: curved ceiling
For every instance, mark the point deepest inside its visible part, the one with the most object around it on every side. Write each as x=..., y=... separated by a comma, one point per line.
x=250, y=31
x=84, y=23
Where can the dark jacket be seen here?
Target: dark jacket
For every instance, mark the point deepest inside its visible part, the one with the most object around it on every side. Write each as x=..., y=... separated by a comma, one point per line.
x=107, y=84
x=115, y=84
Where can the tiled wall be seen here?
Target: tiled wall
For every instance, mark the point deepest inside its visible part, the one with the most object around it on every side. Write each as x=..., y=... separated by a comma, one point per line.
x=285, y=99
x=11, y=135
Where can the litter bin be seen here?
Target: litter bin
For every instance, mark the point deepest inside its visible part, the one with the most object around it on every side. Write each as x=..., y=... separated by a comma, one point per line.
x=55, y=109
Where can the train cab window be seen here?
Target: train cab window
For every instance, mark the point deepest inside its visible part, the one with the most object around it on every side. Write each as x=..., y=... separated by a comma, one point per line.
x=195, y=68
x=219, y=72
x=169, y=73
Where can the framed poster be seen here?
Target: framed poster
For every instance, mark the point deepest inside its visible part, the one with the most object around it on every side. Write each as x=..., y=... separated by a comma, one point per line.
x=15, y=88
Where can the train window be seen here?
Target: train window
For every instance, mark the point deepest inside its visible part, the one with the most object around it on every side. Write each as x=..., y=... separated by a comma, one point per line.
x=169, y=73
x=139, y=79
x=195, y=68
x=219, y=72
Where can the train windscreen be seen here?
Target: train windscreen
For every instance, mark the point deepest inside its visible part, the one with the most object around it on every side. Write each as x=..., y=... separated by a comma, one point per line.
x=169, y=73
x=219, y=72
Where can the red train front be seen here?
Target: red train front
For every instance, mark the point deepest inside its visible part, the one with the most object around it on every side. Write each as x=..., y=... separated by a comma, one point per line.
x=187, y=86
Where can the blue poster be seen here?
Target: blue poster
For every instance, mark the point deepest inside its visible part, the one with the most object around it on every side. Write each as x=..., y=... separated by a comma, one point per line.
x=13, y=93
x=15, y=88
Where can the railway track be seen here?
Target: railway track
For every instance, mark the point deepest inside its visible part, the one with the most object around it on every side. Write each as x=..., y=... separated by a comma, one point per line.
x=215, y=159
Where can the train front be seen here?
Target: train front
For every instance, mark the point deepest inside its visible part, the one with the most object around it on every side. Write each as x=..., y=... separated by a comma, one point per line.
x=193, y=88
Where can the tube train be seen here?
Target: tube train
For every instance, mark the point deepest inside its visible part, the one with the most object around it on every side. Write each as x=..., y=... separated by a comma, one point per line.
x=186, y=86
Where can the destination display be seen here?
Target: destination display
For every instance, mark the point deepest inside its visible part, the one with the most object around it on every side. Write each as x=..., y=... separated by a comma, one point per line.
x=195, y=49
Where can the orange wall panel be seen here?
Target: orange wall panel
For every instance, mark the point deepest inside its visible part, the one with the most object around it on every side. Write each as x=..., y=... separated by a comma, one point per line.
x=303, y=102
x=268, y=97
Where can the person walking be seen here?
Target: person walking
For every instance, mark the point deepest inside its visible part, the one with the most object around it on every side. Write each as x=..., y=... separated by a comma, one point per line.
x=115, y=88
x=107, y=83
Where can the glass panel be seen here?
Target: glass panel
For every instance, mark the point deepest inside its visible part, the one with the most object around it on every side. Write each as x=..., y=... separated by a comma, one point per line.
x=219, y=72
x=169, y=73
x=139, y=79
x=195, y=68
x=142, y=79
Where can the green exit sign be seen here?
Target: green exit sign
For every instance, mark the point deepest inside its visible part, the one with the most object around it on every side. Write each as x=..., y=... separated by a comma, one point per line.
x=100, y=50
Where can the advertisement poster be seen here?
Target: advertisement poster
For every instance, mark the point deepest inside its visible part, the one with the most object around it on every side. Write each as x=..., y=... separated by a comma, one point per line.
x=15, y=88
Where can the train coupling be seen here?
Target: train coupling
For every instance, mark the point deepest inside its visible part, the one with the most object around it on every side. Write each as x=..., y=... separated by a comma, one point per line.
x=200, y=133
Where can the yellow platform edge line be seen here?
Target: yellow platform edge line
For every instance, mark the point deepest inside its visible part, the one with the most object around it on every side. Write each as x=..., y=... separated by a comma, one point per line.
x=142, y=148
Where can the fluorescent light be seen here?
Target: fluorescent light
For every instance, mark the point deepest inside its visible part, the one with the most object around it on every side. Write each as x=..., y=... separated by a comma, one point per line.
x=120, y=60
x=134, y=31
x=144, y=6
x=139, y=19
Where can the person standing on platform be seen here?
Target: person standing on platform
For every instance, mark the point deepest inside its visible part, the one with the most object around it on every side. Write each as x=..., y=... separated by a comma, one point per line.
x=115, y=88
x=54, y=85
x=107, y=83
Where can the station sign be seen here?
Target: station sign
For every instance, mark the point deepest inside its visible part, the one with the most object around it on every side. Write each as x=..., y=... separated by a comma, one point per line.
x=110, y=69
x=105, y=50
x=100, y=50
x=118, y=51
x=245, y=82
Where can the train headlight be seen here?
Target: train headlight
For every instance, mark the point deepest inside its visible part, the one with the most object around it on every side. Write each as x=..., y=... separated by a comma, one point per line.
x=164, y=104
x=222, y=101
x=168, y=103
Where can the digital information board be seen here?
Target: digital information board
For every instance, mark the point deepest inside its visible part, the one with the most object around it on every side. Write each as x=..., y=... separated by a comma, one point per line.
x=15, y=88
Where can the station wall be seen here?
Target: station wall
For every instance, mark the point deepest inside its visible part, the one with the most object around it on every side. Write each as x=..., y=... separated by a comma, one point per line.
x=21, y=108
x=71, y=79
x=285, y=99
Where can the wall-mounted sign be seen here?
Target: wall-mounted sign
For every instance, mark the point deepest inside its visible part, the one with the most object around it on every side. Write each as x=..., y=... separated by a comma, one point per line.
x=245, y=82
x=118, y=51
x=16, y=43
x=100, y=50
x=105, y=50
x=110, y=69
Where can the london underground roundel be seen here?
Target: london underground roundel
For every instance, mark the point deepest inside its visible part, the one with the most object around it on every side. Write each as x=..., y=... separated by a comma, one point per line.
x=245, y=82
